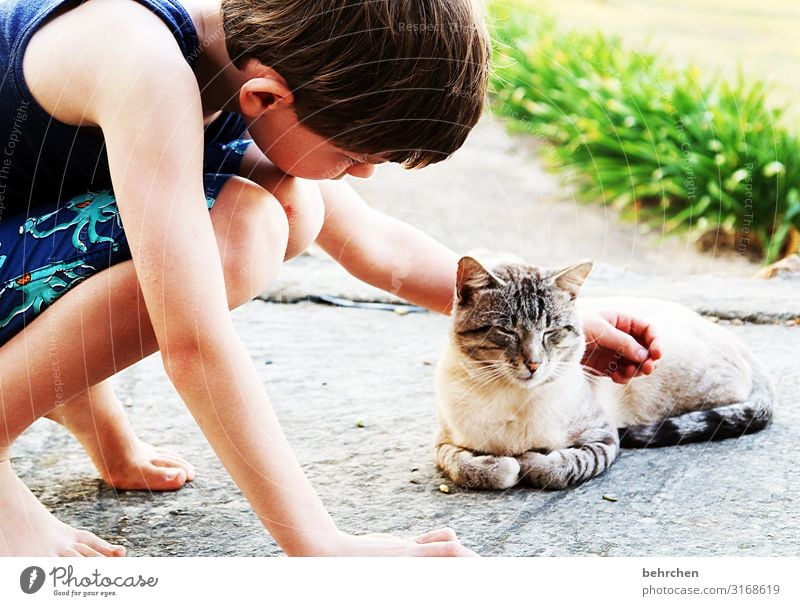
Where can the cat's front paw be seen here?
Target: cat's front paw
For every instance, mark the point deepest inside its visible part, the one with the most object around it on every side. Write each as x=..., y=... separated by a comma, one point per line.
x=490, y=472
x=505, y=473
x=541, y=470
x=472, y=470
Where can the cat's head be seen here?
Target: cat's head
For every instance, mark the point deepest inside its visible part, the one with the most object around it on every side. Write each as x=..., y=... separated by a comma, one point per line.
x=517, y=322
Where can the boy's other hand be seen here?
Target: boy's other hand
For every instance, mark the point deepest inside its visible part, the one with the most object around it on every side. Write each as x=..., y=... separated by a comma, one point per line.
x=620, y=345
x=436, y=543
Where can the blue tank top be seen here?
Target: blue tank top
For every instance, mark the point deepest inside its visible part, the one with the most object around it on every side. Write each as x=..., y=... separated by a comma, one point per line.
x=41, y=158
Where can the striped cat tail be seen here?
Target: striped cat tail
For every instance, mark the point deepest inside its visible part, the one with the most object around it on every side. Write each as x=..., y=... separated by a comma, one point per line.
x=730, y=421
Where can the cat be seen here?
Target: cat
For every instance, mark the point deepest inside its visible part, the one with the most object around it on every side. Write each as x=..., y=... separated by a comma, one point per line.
x=515, y=404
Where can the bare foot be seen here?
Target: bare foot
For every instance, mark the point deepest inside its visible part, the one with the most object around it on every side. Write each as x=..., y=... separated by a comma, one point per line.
x=28, y=529
x=98, y=421
x=144, y=467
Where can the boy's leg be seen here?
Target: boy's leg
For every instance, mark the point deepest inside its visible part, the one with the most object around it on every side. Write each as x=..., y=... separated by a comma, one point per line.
x=28, y=529
x=300, y=198
x=122, y=460
x=97, y=419
x=108, y=329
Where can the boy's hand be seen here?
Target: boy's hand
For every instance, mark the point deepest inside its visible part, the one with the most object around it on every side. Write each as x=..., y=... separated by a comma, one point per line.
x=620, y=345
x=437, y=543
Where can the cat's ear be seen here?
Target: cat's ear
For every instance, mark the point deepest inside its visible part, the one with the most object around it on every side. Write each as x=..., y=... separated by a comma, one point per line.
x=473, y=276
x=570, y=279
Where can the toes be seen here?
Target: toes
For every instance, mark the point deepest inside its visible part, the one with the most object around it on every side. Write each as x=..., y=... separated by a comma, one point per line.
x=103, y=547
x=166, y=462
x=152, y=477
x=171, y=454
x=170, y=460
x=158, y=477
x=151, y=468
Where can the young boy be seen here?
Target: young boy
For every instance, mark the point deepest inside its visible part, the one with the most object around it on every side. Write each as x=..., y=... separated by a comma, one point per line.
x=240, y=106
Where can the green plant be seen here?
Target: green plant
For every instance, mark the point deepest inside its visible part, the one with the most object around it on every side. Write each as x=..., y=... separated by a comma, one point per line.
x=653, y=140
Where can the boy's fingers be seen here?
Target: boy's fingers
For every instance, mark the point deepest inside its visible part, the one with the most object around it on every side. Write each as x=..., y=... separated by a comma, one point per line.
x=445, y=549
x=87, y=552
x=625, y=344
x=642, y=331
x=627, y=371
x=441, y=534
x=617, y=377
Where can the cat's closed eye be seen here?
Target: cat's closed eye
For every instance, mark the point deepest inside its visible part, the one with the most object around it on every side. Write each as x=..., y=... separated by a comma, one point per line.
x=554, y=336
x=504, y=335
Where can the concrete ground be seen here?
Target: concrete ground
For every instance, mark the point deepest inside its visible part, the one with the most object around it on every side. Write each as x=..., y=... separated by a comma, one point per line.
x=330, y=370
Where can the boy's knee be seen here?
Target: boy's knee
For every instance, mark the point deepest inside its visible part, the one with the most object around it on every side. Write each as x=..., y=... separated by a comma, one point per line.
x=302, y=202
x=253, y=238
x=275, y=225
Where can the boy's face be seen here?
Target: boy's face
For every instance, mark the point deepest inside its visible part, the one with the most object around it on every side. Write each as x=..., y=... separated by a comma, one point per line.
x=299, y=152
x=267, y=104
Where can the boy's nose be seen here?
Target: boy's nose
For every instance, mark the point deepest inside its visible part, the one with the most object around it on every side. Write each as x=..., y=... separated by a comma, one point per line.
x=361, y=171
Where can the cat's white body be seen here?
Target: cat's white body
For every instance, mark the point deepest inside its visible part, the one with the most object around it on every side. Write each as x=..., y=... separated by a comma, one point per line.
x=701, y=362
x=506, y=421
x=516, y=405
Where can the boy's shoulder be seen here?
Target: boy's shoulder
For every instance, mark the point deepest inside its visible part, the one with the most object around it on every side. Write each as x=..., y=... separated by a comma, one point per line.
x=95, y=47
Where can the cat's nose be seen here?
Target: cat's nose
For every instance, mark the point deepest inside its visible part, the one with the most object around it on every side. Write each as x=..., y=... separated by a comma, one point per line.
x=532, y=366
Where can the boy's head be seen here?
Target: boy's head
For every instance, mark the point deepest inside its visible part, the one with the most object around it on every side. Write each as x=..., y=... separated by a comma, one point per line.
x=367, y=80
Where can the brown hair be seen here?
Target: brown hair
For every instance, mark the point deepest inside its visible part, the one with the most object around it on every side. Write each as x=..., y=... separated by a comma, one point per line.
x=405, y=79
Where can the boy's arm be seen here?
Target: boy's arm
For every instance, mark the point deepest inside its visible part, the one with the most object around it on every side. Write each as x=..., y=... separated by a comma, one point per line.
x=398, y=258
x=149, y=110
x=386, y=252
x=148, y=106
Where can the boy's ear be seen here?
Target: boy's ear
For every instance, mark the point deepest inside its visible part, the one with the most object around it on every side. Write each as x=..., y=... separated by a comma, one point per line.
x=472, y=276
x=265, y=89
x=572, y=278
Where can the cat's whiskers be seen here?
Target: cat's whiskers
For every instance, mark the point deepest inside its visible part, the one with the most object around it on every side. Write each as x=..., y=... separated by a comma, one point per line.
x=559, y=371
x=594, y=380
x=484, y=373
x=592, y=374
x=479, y=364
x=480, y=384
x=590, y=370
x=487, y=373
